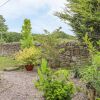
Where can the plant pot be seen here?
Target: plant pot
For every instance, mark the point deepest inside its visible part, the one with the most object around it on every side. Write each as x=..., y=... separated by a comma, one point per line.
x=29, y=67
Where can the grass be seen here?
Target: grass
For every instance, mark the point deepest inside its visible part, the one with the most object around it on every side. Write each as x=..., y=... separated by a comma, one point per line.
x=6, y=62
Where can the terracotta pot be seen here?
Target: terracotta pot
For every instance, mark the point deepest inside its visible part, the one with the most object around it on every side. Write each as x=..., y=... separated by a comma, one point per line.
x=29, y=67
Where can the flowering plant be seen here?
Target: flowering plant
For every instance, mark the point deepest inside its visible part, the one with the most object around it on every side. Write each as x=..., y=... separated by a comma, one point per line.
x=28, y=55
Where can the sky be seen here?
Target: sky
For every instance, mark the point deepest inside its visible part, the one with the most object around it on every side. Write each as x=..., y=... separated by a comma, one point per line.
x=40, y=12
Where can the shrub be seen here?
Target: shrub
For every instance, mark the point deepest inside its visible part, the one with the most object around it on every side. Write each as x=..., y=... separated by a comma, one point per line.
x=57, y=90
x=55, y=85
x=91, y=73
x=28, y=55
x=44, y=73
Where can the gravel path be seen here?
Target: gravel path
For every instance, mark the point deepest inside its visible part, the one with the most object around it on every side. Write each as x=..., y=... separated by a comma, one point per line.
x=19, y=86
x=80, y=94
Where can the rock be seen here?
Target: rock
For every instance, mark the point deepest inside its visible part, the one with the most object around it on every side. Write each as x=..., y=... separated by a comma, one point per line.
x=11, y=69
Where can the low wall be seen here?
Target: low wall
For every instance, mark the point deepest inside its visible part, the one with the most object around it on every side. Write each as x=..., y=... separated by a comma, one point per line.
x=70, y=54
x=8, y=49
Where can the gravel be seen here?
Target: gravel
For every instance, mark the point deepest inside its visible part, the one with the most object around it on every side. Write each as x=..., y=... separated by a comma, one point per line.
x=19, y=86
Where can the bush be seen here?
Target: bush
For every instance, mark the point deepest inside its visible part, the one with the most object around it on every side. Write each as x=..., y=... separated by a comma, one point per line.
x=91, y=73
x=44, y=74
x=28, y=55
x=55, y=85
x=57, y=90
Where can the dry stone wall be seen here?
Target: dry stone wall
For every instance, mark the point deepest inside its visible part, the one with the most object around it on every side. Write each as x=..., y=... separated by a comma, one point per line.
x=8, y=49
x=70, y=53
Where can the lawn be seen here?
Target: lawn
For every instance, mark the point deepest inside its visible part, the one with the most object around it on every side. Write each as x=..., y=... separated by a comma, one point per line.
x=6, y=62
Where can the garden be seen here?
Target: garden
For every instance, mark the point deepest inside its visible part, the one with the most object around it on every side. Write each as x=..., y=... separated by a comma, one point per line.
x=53, y=65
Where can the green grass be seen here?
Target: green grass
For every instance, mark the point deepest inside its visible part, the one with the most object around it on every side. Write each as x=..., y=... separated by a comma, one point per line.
x=6, y=62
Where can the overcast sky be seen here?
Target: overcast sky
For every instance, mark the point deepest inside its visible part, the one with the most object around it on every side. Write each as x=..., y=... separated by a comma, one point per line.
x=40, y=12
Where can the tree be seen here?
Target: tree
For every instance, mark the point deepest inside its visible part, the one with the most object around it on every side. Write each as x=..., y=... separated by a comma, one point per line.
x=11, y=37
x=59, y=34
x=49, y=44
x=83, y=16
x=27, y=39
x=3, y=27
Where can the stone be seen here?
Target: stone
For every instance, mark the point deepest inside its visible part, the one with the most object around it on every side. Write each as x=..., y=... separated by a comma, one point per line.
x=11, y=69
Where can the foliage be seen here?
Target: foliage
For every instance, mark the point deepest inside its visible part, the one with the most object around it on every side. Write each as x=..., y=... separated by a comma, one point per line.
x=98, y=99
x=59, y=34
x=91, y=76
x=83, y=16
x=6, y=62
x=44, y=73
x=28, y=55
x=3, y=28
x=57, y=90
x=27, y=39
x=2, y=41
x=76, y=71
x=91, y=73
x=61, y=75
x=50, y=50
x=89, y=44
x=55, y=85
x=49, y=42
x=11, y=37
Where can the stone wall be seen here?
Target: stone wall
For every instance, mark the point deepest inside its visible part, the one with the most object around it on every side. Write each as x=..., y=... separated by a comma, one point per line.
x=72, y=53
x=8, y=49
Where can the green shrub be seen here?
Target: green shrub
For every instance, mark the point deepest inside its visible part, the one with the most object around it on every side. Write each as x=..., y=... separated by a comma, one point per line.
x=56, y=85
x=44, y=74
x=57, y=90
x=91, y=73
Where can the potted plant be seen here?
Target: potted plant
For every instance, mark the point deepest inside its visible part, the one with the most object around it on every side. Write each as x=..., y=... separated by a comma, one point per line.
x=29, y=57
